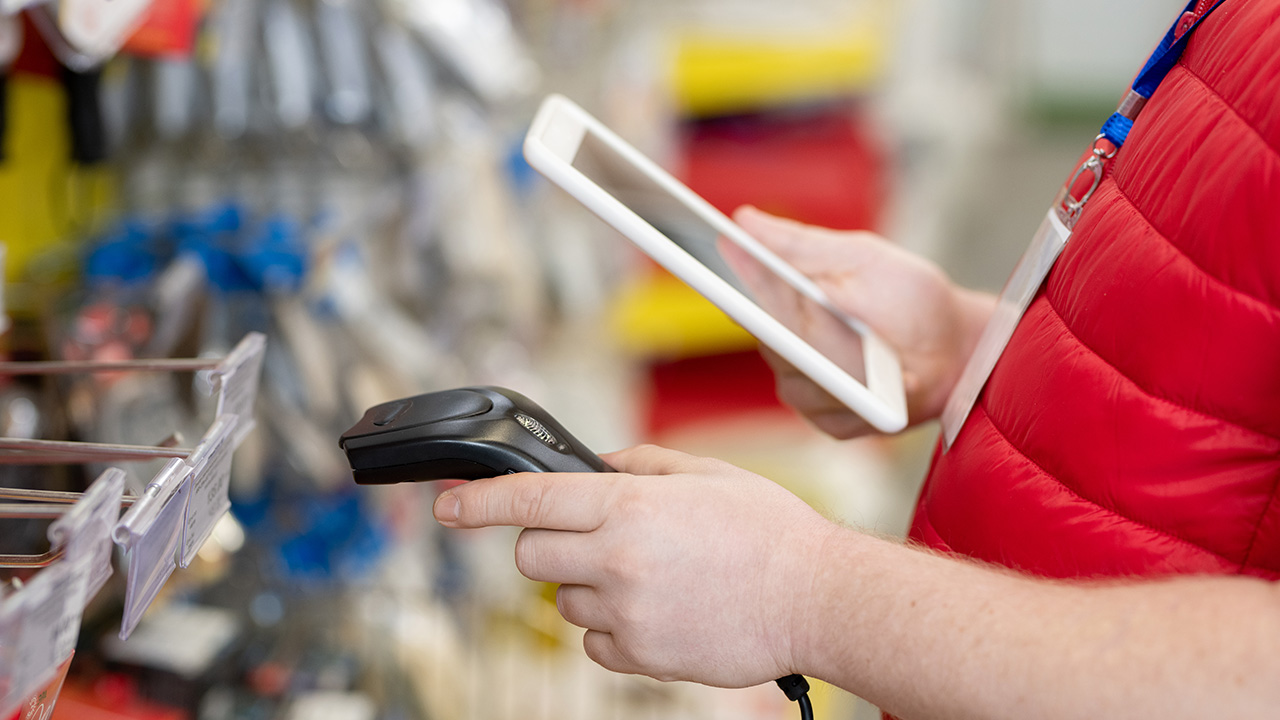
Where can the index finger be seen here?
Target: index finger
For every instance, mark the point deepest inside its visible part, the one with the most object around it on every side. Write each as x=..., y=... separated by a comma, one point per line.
x=576, y=502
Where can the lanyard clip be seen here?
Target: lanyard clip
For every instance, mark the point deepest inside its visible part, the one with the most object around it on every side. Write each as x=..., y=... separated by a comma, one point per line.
x=1068, y=206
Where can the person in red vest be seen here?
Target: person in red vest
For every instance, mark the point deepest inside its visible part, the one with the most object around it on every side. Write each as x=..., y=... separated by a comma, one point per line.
x=1102, y=536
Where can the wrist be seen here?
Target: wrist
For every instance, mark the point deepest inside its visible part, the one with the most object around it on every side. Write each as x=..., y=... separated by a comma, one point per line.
x=824, y=613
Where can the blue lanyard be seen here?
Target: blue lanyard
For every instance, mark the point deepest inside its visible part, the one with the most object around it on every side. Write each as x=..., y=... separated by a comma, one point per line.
x=1116, y=129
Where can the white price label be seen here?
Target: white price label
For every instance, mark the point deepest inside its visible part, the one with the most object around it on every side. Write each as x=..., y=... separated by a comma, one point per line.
x=236, y=378
x=39, y=705
x=210, y=477
x=84, y=532
x=47, y=611
x=150, y=533
x=50, y=608
x=10, y=630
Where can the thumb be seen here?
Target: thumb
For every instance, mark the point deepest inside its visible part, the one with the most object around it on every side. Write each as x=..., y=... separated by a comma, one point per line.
x=810, y=249
x=650, y=460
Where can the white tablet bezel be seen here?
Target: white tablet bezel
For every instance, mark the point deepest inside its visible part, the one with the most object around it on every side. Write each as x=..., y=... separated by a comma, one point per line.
x=551, y=146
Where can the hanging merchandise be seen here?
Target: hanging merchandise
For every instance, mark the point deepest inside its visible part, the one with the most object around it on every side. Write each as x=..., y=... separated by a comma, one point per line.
x=477, y=40
x=231, y=73
x=4, y=316
x=84, y=34
x=289, y=53
x=411, y=87
x=735, y=57
x=99, y=28
x=343, y=49
x=10, y=46
x=167, y=29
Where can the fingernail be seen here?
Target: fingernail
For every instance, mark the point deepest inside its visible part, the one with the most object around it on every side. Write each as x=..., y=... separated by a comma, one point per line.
x=446, y=507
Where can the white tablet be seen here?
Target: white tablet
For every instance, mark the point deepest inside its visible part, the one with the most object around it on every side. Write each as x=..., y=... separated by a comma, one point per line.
x=707, y=250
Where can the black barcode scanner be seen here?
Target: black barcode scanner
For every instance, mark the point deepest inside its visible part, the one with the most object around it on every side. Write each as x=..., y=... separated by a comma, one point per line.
x=472, y=433
x=463, y=434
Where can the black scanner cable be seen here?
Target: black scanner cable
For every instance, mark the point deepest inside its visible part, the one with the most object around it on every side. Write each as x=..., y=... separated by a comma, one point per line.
x=797, y=690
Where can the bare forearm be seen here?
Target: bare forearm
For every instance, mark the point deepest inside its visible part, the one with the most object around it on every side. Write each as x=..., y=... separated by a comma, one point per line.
x=925, y=637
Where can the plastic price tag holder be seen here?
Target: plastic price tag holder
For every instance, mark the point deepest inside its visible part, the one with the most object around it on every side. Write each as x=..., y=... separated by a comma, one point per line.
x=49, y=608
x=236, y=379
x=39, y=705
x=84, y=532
x=210, y=476
x=10, y=627
x=150, y=533
x=1015, y=298
x=48, y=612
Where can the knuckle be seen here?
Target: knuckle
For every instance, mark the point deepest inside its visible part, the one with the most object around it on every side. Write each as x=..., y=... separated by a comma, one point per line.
x=471, y=506
x=630, y=564
x=635, y=653
x=643, y=514
x=645, y=450
x=836, y=427
x=647, y=459
x=629, y=656
x=527, y=504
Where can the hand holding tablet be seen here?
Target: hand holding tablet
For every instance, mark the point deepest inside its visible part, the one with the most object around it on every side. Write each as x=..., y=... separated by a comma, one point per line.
x=774, y=301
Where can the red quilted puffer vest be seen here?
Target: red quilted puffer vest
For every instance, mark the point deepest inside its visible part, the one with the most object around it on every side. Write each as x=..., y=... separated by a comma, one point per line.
x=1132, y=427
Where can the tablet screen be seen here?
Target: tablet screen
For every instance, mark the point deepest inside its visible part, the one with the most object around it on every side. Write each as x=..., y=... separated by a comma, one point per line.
x=828, y=332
